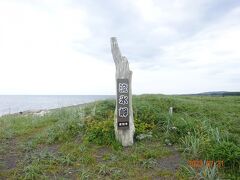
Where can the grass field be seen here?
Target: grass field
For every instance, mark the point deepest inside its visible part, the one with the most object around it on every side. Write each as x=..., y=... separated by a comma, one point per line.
x=200, y=140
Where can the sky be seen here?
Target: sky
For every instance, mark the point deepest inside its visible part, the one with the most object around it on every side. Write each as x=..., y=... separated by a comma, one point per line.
x=173, y=47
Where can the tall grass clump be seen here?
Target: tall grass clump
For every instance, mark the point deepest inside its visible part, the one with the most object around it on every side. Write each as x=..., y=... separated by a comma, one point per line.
x=64, y=131
x=205, y=172
x=226, y=151
x=69, y=125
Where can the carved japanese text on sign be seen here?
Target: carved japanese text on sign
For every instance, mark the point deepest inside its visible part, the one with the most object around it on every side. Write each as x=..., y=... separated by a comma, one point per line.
x=123, y=103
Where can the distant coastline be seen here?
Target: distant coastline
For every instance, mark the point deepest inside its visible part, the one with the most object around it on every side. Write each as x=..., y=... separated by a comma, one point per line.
x=42, y=112
x=213, y=93
x=22, y=104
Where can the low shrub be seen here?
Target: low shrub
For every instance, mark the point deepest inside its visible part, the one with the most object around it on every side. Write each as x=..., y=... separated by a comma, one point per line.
x=143, y=127
x=100, y=132
x=146, y=112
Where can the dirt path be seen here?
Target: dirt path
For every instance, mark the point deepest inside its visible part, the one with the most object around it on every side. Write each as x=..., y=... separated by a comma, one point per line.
x=10, y=156
x=170, y=163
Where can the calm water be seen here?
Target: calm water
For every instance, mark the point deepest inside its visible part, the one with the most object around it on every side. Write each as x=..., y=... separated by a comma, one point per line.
x=17, y=103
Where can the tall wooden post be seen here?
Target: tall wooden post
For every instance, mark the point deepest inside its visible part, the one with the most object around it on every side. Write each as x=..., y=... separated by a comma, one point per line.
x=123, y=118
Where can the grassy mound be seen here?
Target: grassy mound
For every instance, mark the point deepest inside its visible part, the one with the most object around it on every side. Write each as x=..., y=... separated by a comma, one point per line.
x=79, y=142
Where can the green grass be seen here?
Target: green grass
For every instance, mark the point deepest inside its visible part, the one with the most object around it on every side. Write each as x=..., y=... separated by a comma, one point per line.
x=79, y=142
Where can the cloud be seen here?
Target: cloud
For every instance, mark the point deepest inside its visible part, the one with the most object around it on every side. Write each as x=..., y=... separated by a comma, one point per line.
x=62, y=47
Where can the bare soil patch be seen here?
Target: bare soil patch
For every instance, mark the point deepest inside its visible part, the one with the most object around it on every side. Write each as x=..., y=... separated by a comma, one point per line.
x=170, y=163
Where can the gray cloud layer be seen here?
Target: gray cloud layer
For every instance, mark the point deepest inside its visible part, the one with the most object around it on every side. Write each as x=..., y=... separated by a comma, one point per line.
x=175, y=43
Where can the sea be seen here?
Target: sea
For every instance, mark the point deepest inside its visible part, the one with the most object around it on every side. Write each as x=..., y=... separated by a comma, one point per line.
x=10, y=104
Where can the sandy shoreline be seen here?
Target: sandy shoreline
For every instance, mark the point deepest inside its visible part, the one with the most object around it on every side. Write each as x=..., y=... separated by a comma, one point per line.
x=42, y=112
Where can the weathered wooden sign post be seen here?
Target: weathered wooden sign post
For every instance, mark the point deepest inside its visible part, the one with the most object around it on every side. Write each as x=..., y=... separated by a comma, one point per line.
x=123, y=119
